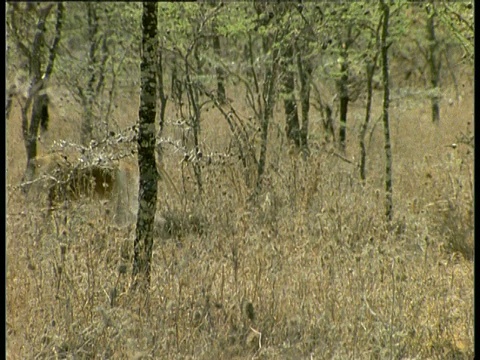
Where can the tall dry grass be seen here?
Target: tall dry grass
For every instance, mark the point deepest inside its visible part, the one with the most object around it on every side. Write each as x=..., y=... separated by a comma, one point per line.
x=309, y=271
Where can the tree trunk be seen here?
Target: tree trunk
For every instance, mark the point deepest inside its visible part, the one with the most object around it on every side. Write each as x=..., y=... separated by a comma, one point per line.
x=161, y=89
x=147, y=197
x=305, y=73
x=36, y=92
x=327, y=114
x=386, y=104
x=195, y=112
x=87, y=97
x=344, y=98
x=90, y=129
x=292, y=126
x=32, y=133
x=371, y=65
x=433, y=61
x=176, y=86
x=221, y=93
x=268, y=105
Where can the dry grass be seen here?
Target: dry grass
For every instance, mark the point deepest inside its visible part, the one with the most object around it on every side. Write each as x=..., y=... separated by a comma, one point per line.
x=310, y=271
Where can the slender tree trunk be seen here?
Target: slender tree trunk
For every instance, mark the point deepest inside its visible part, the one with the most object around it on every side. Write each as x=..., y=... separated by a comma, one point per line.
x=328, y=123
x=87, y=96
x=161, y=89
x=194, y=109
x=433, y=61
x=221, y=93
x=90, y=130
x=343, y=97
x=292, y=126
x=305, y=73
x=269, y=102
x=163, y=106
x=176, y=86
x=371, y=65
x=147, y=198
x=386, y=104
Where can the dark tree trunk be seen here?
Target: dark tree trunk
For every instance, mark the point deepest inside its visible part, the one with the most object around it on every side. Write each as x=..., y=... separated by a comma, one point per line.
x=371, y=65
x=305, y=73
x=327, y=114
x=221, y=93
x=147, y=198
x=96, y=81
x=344, y=98
x=176, y=86
x=386, y=105
x=292, y=125
x=161, y=89
x=433, y=61
x=267, y=113
x=195, y=112
x=44, y=117
x=87, y=96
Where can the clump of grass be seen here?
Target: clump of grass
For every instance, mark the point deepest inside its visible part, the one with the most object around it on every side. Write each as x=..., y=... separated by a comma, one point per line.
x=176, y=224
x=455, y=225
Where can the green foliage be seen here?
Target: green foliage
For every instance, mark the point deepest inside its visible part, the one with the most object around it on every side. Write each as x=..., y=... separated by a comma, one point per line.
x=458, y=18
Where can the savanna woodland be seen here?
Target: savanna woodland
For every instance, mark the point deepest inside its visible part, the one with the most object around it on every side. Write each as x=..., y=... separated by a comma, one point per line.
x=239, y=180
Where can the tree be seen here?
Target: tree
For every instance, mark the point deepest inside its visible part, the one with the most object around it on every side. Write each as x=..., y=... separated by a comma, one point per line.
x=385, y=44
x=234, y=28
x=266, y=111
x=221, y=92
x=296, y=61
x=99, y=56
x=292, y=122
x=433, y=59
x=371, y=64
x=143, y=245
x=342, y=30
x=342, y=85
x=265, y=95
x=96, y=61
x=427, y=36
x=459, y=19
x=191, y=60
x=37, y=97
x=305, y=70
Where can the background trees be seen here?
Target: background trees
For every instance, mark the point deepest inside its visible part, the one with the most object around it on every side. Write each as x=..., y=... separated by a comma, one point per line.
x=330, y=49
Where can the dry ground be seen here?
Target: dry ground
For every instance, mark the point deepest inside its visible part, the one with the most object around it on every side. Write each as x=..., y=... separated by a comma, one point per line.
x=312, y=271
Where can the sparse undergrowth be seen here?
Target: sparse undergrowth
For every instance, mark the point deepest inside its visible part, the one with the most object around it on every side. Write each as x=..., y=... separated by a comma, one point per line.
x=308, y=270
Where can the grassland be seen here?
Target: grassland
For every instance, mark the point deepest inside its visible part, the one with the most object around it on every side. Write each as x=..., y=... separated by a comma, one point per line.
x=309, y=271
